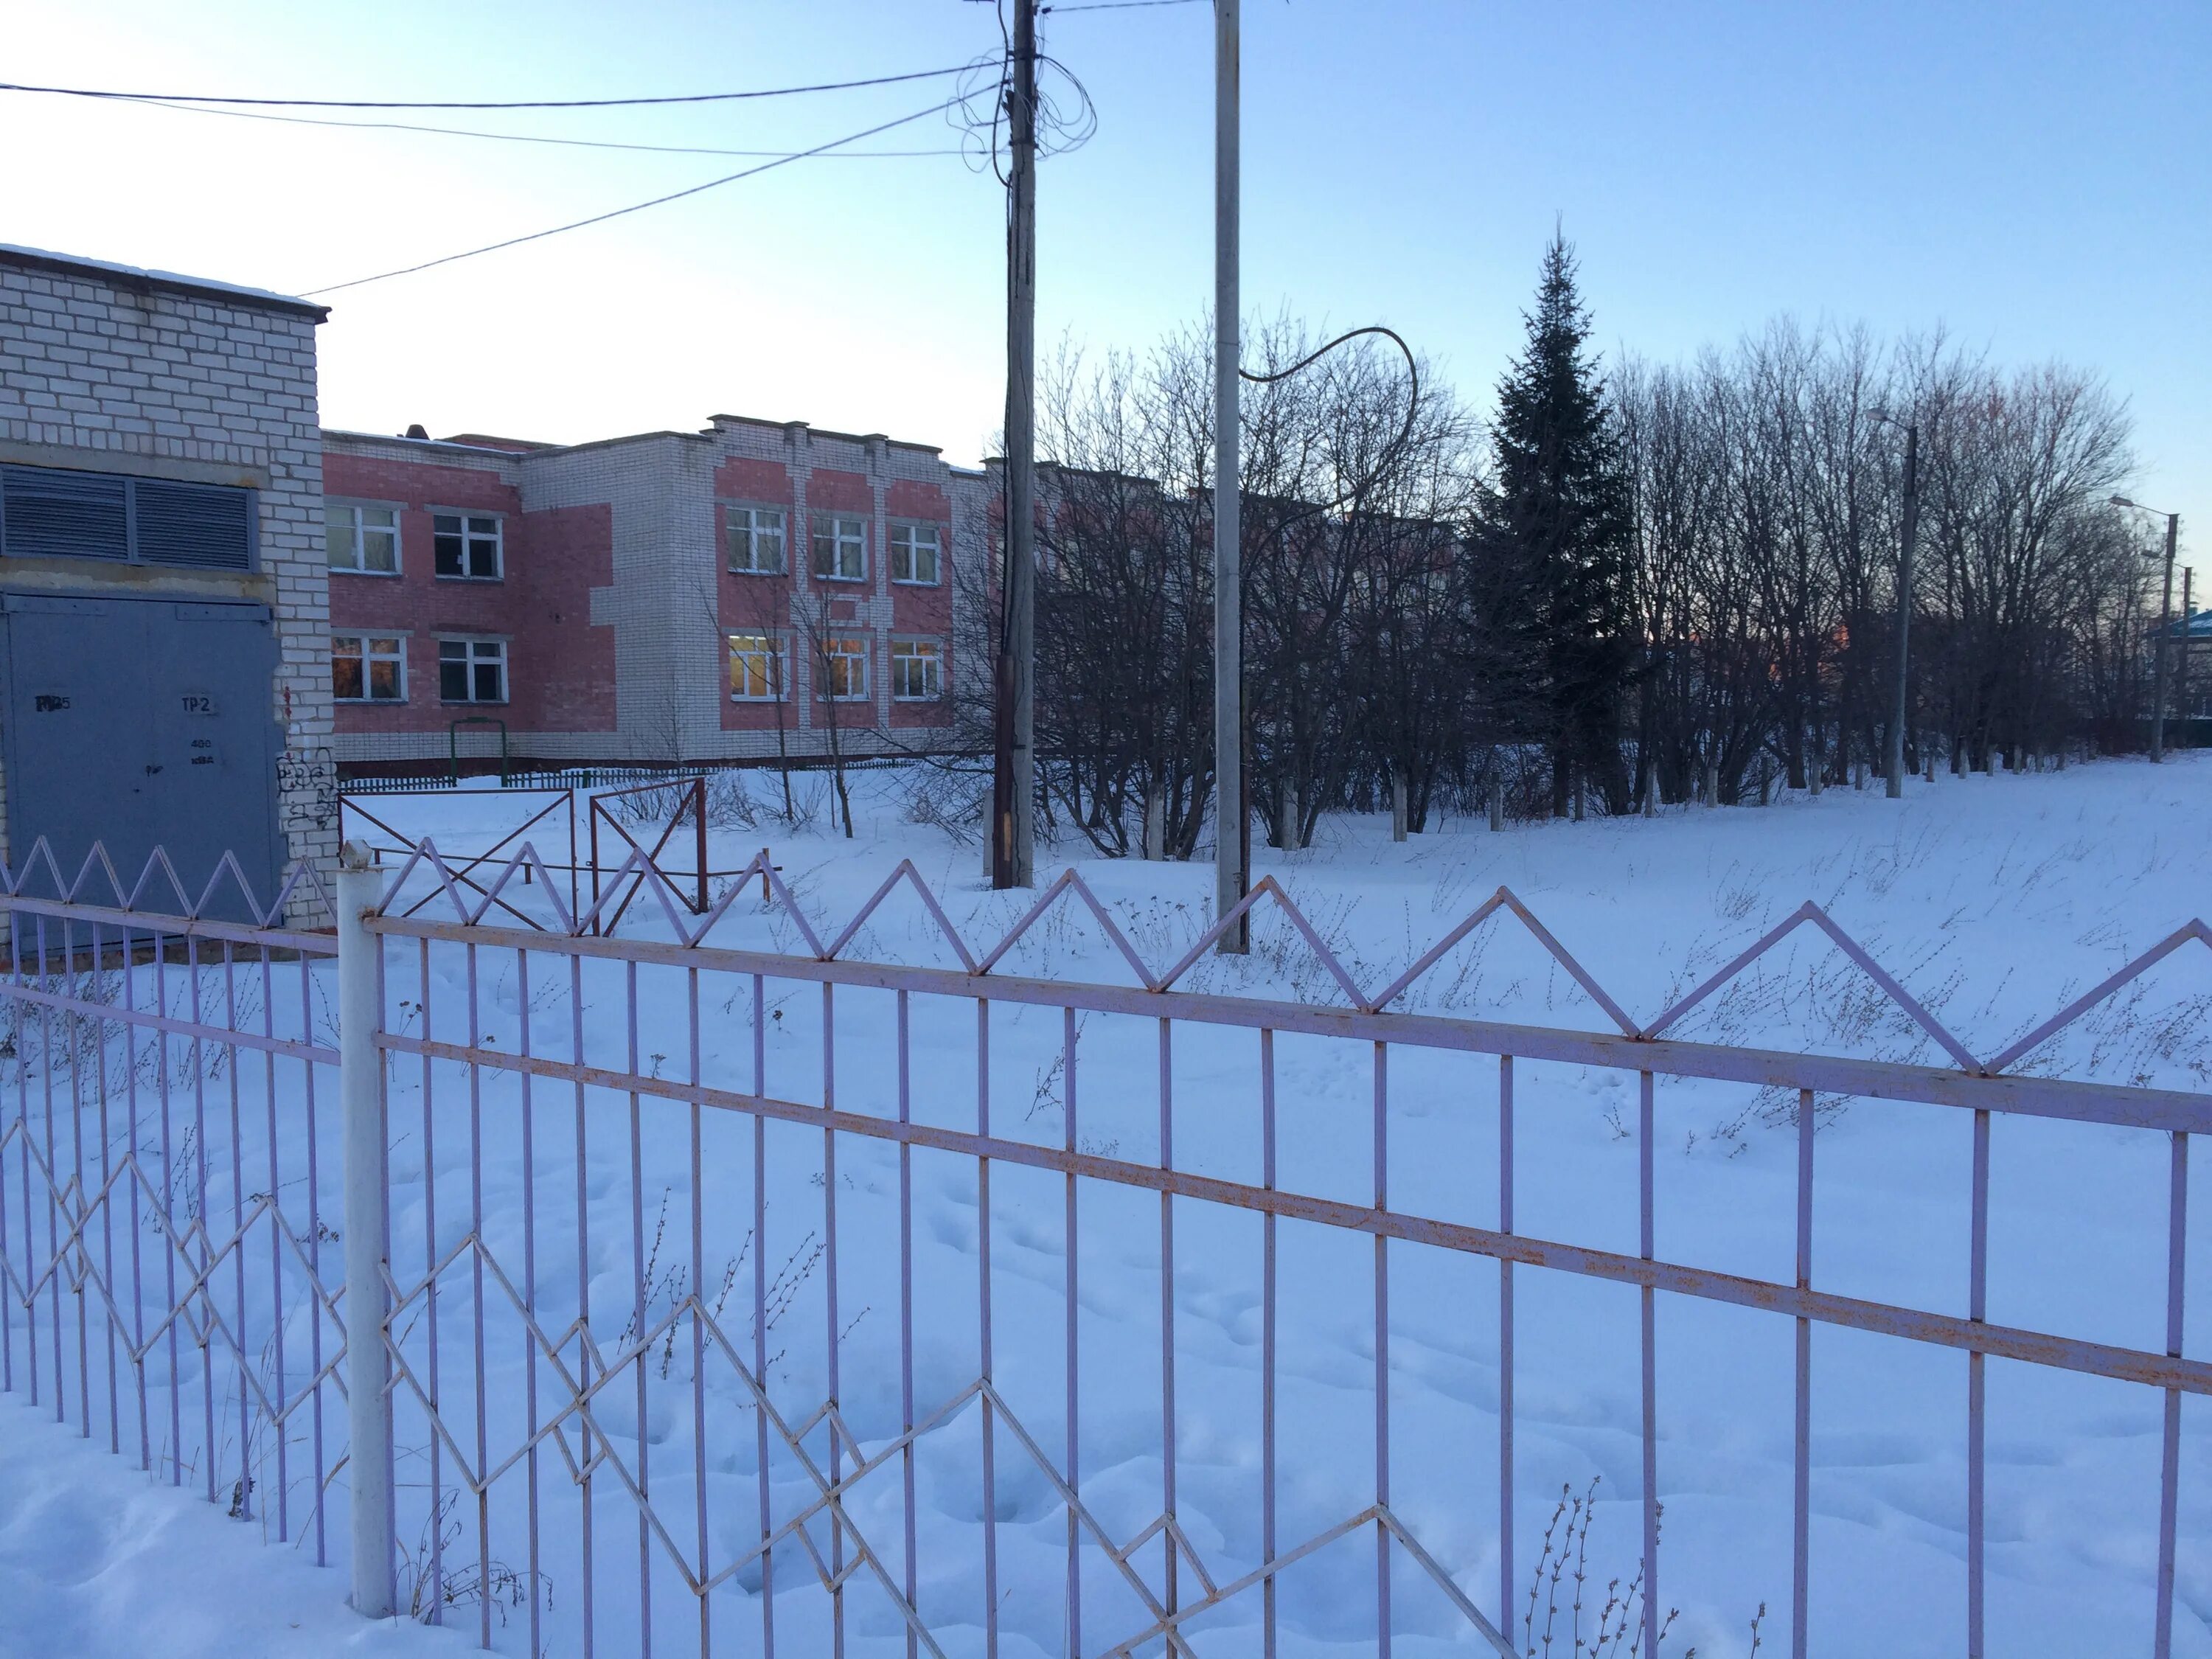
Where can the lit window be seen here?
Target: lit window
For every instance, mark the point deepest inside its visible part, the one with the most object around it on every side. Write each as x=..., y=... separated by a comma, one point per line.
x=368, y=668
x=466, y=544
x=845, y=663
x=913, y=553
x=841, y=549
x=756, y=536
x=917, y=671
x=472, y=670
x=757, y=668
x=362, y=539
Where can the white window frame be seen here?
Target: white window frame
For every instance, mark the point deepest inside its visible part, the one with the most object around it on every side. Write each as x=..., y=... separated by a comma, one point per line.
x=751, y=530
x=470, y=534
x=356, y=509
x=931, y=651
x=830, y=657
x=829, y=528
x=476, y=643
x=367, y=657
x=912, y=531
x=778, y=653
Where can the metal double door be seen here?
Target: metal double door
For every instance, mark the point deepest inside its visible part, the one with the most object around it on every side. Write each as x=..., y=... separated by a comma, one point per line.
x=138, y=723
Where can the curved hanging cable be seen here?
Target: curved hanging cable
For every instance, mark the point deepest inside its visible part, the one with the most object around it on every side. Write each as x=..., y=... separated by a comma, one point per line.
x=1390, y=450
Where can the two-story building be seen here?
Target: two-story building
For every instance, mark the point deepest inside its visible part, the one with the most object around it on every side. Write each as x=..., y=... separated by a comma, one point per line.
x=753, y=588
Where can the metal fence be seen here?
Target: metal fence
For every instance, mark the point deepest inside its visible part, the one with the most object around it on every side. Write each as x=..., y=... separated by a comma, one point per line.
x=669, y=1361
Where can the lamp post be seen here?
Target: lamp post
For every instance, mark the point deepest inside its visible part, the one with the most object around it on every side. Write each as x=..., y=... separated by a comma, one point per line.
x=1894, y=788
x=2165, y=627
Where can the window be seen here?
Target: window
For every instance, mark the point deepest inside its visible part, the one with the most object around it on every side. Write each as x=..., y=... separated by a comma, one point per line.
x=917, y=671
x=845, y=660
x=472, y=670
x=756, y=536
x=466, y=544
x=841, y=549
x=362, y=539
x=54, y=512
x=368, y=668
x=758, y=667
x=913, y=553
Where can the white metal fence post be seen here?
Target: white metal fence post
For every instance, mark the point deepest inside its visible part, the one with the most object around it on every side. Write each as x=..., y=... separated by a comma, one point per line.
x=369, y=1370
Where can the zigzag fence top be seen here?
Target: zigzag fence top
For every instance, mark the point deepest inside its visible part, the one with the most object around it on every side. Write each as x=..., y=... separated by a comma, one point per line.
x=472, y=900
x=159, y=892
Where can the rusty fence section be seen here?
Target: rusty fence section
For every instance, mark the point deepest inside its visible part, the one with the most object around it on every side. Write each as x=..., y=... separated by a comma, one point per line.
x=744, y=1290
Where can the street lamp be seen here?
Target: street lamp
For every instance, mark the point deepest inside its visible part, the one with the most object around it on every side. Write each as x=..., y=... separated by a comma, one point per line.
x=1895, y=785
x=2165, y=626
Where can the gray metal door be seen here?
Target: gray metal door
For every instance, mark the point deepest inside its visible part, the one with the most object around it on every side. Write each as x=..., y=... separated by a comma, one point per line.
x=139, y=723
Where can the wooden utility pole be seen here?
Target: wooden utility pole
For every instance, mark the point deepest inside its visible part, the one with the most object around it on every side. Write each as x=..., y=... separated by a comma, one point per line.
x=1231, y=860
x=1013, y=791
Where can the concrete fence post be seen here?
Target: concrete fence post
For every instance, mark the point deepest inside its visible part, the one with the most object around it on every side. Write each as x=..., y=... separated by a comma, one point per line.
x=369, y=1370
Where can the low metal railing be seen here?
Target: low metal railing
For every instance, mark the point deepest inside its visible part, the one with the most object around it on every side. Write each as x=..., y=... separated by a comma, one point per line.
x=669, y=1343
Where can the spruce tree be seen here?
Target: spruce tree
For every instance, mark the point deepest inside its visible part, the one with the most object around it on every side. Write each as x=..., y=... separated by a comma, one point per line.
x=1558, y=522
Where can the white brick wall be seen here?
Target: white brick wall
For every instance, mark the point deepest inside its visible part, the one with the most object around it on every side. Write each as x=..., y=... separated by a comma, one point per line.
x=159, y=376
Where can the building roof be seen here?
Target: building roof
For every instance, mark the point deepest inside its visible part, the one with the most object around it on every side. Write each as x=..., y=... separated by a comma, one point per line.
x=137, y=280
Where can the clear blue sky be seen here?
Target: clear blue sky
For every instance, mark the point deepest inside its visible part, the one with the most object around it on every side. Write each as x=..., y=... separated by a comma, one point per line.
x=2032, y=176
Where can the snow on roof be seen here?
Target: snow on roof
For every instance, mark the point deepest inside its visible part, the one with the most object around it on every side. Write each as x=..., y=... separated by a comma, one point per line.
x=138, y=276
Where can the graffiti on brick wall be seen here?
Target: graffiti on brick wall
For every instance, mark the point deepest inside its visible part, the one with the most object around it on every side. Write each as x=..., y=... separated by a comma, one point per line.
x=307, y=784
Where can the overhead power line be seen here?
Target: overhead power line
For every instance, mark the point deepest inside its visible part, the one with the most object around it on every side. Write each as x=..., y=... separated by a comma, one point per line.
x=523, y=137
x=533, y=103
x=638, y=207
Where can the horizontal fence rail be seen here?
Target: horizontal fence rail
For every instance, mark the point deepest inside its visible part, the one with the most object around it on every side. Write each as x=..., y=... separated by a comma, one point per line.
x=740, y=1290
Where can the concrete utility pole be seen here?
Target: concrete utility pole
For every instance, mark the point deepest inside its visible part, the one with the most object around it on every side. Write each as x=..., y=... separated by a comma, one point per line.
x=2187, y=641
x=2165, y=627
x=1231, y=865
x=1013, y=793
x=1897, y=716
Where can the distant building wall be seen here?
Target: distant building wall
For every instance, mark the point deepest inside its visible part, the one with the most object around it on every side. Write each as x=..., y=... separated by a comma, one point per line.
x=617, y=600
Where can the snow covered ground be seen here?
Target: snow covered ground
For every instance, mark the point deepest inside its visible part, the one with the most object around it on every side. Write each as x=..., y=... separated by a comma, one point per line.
x=1993, y=900
x=99, y=1562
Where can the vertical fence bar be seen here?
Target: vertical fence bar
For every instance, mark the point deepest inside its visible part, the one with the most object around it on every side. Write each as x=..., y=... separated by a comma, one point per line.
x=1382, y=1160
x=1801, y=1491
x=108, y=1227
x=52, y=1206
x=1652, y=1622
x=367, y=1365
x=1505, y=1348
x=832, y=1332
x=243, y=1505
x=1268, y=1345
x=314, y=1262
x=437, y=1586
x=476, y=1319
x=171, y=1245
x=282, y=1392
x=89, y=982
x=1977, y=1293
x=766, y=1498
x=1074, y=1636
x=699, y=1315
x=587, y=1608
x=639, y=1293
x=1171, y=1580
x=532, y=1488
x=2169, y=1467
x=197, y=1210
x=906, y=1316
x=983, y=1287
